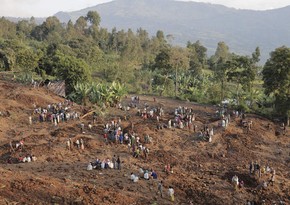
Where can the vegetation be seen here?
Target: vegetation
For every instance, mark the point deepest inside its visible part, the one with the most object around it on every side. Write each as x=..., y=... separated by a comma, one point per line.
x=98, y=65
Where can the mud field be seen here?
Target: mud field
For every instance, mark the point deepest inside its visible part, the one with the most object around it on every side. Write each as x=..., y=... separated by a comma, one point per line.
x=202, y=171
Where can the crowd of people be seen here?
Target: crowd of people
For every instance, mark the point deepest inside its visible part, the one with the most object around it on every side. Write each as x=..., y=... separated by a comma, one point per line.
x=265, y=176
x=152, y=175
x=54, y=113
x=115, y=163
x=78, y=143
x=182, y=118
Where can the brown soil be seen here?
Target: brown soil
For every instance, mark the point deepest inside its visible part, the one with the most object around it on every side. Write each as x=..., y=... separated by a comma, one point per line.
x=202, y=171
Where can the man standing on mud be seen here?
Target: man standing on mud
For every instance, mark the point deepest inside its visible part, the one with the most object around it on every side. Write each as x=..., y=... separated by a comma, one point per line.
x=114, y=161
x=284, y=129
x=160, y=188
x=118, y=163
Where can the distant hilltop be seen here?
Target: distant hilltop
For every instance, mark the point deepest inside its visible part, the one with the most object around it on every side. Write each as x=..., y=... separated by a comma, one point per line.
x=242, y=30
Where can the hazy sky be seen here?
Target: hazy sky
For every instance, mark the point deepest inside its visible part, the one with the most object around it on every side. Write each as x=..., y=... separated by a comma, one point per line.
x=44, y=8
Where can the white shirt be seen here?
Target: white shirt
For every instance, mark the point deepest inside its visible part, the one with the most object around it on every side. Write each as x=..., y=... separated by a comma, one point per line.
x=136, y=179
x=146, y=175
x=132, y=177
x=28, y=159
x=90, y=167
x=170, y=191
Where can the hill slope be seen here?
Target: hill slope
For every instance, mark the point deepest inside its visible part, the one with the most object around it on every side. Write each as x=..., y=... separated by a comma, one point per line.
x=242, y=30
x=202, y=171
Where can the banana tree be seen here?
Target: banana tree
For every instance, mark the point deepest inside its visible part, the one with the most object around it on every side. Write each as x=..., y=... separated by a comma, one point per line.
x=118, y=91
x=81, y=93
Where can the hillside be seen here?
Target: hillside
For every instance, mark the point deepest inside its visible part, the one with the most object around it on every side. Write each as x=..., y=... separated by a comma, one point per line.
x=201, y=172
x=242, y=30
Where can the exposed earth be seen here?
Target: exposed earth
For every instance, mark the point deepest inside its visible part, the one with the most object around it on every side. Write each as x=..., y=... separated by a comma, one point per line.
x=202, y=171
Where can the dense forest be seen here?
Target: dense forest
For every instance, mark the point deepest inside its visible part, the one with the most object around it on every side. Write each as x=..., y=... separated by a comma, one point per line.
x=100, y=66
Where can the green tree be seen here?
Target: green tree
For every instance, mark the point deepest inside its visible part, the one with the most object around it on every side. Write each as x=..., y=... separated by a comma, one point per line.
x=81, y=25
x=24, y=28
x=72, y=70
x=221, y=63
x=81, y=92
x=94, y=18
x=222, y=52
x=7, y=29
x=162, y=62
x=180, y=63
x=276, y=76
x=27, y=59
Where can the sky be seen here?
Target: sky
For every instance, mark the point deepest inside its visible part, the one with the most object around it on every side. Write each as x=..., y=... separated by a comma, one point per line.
x=45, y=8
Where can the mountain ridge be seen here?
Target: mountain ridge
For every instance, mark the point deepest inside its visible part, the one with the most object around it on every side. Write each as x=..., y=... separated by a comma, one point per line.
x=241, y=29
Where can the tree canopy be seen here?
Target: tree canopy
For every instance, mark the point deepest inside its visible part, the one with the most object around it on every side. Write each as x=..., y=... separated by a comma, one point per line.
x=83, y=52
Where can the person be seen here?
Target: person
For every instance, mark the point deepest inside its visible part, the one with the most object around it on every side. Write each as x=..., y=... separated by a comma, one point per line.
x=241, y=184
x=146, y=152
x=90, y=166
x=118, y=163
x=154, y=174
x=146, y=175
x=106, y=138
x=171, y=193
x=28, y=158
x=264, y=184
x=24, y=159
x=134, y=178
x=103, y=164
x=258, y=168
x=269, y=126
x=114, y=161
x=210, y=139
x=273, y=176
x=250, y=124
x=251, y=167
x=284, y=129
x=78, y=143
x=167, y=169
x=82, y=144
x=146, y=139
x=169, y=124
x=160, y=188
x=211, y=132
x=136, y=153
x=90, y=126
x=94, y=117
x=33, y=158
x=129, y=147
x=82, y=128
x=235, y=181
x=68, y=144
x=71, y=143
x=30, y=120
